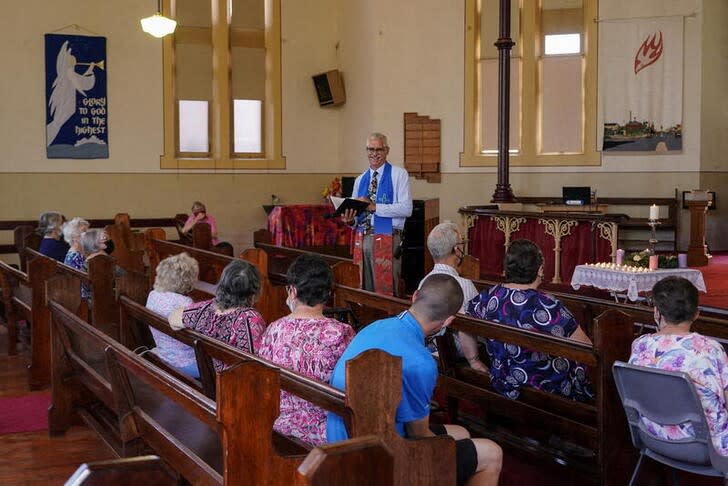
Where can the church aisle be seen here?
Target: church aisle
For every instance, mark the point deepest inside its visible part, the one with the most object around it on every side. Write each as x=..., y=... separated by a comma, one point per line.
x=34, y=458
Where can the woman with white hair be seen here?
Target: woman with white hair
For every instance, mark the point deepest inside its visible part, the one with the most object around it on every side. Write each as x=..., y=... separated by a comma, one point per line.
x=91, y=243
x=50, y=224
x=176, y=276
x=72, y=231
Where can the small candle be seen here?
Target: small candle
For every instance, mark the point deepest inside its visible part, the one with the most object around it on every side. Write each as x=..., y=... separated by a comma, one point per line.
x=682, y=260
x=620, y=257
x=654, y=212
x=653, y=262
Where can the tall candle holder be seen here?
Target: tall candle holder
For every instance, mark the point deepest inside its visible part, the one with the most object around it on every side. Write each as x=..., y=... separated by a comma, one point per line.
x=652, y=242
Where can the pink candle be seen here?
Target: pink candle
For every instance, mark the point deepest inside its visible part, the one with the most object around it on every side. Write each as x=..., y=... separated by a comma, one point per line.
x=620, y=257
x=653, y=262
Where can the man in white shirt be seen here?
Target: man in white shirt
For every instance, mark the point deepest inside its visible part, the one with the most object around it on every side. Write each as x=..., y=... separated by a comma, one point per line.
x=447, y=249
x=379, y=229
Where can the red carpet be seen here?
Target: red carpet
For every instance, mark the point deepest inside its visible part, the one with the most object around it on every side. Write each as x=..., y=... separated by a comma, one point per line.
x=715, y=275
x=26, y=413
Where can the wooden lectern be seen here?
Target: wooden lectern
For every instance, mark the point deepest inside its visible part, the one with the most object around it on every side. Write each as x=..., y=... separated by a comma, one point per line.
x=698, y=250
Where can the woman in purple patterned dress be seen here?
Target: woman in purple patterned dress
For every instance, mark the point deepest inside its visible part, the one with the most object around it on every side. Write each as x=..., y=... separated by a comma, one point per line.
x=176, y=277
x=306, y=342
x=518, y=303
x=230, y=316
x=674, y=348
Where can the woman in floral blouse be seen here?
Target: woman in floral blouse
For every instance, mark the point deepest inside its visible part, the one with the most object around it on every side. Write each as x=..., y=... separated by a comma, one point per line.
x=306, y=342
x=519, y=303
x=674, y=348
x=176, y=277
x=230, y=316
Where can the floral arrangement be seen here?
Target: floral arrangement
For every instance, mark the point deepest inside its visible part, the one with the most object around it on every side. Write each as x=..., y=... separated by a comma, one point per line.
x=642, y=259
x=333, y=188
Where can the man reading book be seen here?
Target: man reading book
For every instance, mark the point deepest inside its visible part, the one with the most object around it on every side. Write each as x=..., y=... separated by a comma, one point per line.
x=379, y=228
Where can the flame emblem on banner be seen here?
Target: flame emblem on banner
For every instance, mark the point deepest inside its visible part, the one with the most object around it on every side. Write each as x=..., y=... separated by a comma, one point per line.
x=649, y=52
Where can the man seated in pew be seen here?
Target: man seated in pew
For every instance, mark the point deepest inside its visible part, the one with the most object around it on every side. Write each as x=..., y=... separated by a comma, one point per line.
x=674, y=348
x=519, y=303
x=434, y=306
x=230, y=316
x=175, y=278
x=50, y=226
x=307, y=342
x=446, y=246
x=199, y=215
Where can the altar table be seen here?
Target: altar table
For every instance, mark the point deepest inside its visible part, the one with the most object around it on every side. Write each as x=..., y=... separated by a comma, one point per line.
x=305, y=225
x=565, y=239
x=631, y=282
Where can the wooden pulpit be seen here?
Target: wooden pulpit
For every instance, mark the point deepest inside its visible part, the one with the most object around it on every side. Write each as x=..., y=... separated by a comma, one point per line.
x=698, y=250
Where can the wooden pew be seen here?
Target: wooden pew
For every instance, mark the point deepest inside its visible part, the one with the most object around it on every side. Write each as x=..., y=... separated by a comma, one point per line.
x=600, y=426
x=368, y=406
x=271, y=303
x=357, y=462
x=82, y=390
x=211, y=266
x=23, y=297
x=118, y=472
x=128, y=245
x=585, y=309
x=25, y=236
x=280, y=258
x=20, y=241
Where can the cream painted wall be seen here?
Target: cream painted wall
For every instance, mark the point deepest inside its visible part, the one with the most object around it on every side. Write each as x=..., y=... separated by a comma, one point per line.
x=411, y=59
x=395, y=57
x=310, y=133
x=234, y=199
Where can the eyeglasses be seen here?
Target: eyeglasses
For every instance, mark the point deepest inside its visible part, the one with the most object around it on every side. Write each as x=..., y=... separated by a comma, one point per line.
x=377, y=150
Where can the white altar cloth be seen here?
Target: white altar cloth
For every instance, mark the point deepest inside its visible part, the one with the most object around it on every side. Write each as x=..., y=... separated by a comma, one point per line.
x=632, y=282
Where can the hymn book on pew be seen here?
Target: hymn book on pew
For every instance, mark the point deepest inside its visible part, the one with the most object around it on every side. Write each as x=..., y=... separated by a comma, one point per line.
x=341, y=204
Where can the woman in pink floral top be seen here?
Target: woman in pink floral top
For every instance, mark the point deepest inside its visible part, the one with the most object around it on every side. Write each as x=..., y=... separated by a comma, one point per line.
x=306, y=342
x=230, y=316
x=674, y=348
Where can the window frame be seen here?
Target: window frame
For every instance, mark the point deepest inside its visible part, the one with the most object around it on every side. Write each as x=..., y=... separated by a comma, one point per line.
x=531, y=91
x=220, y=124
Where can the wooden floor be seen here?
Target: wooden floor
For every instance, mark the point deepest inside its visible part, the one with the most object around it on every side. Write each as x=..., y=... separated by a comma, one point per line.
x=34, y=458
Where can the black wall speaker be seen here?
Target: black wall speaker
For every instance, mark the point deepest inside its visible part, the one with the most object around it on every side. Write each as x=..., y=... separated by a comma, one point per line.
x=329, y=88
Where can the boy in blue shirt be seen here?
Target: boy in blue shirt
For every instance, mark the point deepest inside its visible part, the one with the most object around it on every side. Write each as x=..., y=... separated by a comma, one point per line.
x=433, y=307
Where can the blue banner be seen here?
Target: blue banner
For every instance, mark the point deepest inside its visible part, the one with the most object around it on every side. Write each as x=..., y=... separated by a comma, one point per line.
x=76, y=103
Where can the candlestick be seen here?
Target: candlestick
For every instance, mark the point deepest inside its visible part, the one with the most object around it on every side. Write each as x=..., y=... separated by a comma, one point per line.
x=654, y=212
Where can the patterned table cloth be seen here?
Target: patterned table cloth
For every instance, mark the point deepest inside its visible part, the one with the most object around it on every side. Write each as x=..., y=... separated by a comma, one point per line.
x=632, y=282
x=307, y=225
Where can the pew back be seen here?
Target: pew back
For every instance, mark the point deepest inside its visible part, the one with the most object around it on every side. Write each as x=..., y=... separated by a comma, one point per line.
x=368, y=406
x=600, y=426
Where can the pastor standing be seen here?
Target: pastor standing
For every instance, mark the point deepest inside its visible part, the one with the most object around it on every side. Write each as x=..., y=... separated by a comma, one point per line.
x=379, y=229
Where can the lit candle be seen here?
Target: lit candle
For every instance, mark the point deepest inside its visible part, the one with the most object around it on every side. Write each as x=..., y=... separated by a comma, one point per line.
x=620, y=256
x=653, y=262
x=654, y=212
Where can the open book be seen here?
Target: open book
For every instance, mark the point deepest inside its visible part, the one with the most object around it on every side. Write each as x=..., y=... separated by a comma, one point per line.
x=341, y=204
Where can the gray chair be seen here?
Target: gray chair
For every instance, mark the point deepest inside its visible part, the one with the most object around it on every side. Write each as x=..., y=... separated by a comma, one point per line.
x=667, y=397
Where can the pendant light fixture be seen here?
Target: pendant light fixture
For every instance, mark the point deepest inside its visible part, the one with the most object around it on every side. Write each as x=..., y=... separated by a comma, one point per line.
x=158, y=25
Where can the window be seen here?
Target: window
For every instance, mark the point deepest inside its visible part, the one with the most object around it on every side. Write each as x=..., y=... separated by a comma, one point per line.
x=555, y=44
x=222, y=83
x=553, y=83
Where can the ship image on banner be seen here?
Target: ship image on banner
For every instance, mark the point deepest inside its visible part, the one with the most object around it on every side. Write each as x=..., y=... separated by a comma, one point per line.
x=76, y=103
x=640, y=79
